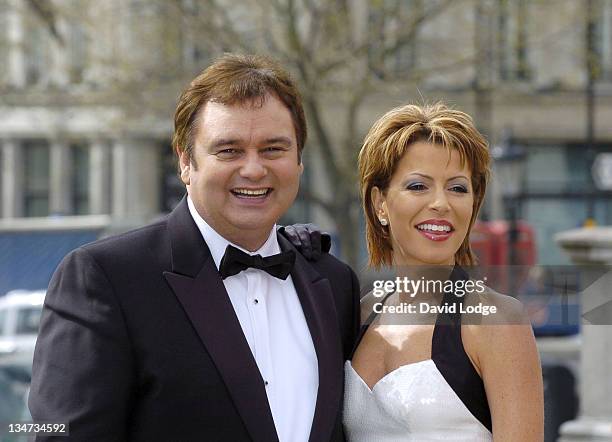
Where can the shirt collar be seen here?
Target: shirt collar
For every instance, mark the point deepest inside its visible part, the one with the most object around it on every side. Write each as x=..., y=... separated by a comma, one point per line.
x=217, y=244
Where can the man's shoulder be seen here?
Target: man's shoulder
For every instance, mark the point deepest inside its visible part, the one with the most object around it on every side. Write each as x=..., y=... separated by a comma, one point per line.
x=129, y=238
x=331, y=267
x=129, y=245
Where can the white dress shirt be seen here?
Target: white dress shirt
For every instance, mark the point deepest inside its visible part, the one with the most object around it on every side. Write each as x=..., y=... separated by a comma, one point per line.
x=275, y=328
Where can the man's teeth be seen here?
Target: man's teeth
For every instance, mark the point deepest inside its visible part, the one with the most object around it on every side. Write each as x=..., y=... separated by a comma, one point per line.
x=434, y=227
x=251, y=192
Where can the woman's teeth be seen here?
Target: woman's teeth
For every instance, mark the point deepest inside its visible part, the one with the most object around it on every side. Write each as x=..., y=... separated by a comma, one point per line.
x=434, y=227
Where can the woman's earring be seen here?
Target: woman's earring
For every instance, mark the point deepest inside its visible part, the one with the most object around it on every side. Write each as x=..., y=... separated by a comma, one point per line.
x=383, y=221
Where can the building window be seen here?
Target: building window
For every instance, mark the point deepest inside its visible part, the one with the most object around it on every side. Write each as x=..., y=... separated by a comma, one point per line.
x=78, y=52
x=557, y=191
x=80, y=178
x=392, y=46
x=5, y=42
x=36, y=50
x=194, y=51
x=602, y=40
x=36, y=186
x=560, y=168
x=406, y=53
x=512, y=40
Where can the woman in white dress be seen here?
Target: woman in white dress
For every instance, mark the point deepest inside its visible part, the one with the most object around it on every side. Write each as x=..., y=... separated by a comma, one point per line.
x=445, y=376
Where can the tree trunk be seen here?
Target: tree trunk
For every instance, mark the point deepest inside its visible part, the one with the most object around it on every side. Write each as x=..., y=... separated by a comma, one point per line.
x=347, y=217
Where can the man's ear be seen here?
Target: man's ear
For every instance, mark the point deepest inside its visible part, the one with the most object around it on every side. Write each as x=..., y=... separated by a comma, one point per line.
x=185, y=166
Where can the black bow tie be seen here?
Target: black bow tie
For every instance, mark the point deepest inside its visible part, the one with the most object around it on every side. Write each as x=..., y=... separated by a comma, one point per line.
x=235, y=261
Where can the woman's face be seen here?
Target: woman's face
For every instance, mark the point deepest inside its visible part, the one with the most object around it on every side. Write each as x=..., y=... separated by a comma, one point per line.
x=428, y=205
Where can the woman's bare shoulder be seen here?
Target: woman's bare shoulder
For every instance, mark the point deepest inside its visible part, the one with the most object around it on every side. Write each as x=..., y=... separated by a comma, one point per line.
x=506, y=327
x=500, y=309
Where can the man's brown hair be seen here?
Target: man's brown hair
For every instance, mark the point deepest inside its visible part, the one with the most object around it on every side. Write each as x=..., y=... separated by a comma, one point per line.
x=231, y=79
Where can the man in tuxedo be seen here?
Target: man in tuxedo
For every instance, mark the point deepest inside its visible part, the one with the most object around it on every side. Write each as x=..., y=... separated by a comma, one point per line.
x=207, y=325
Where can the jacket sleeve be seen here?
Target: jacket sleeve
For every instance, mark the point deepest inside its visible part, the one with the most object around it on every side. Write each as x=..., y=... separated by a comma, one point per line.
x=83, y=365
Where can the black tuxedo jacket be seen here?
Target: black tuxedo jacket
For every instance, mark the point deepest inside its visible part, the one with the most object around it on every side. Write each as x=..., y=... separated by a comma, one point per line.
x=139, y=341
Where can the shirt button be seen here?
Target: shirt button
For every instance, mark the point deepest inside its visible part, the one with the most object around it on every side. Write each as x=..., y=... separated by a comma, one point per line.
x=266, y=383
x=256, y=301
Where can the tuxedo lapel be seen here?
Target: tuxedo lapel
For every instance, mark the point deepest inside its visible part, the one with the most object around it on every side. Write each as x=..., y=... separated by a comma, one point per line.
x=317, y=302
x=199, y=288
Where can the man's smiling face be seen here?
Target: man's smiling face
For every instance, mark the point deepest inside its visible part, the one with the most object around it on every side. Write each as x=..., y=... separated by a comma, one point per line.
x=245, y=171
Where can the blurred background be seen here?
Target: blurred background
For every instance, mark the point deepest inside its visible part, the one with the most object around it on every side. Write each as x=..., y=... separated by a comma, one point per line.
x=87, y=96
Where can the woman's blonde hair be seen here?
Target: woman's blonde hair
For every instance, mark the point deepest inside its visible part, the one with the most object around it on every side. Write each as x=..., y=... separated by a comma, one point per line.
x=387, y=142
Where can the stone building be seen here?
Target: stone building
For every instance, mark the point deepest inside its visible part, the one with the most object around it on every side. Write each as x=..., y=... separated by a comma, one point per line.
x=80, y=137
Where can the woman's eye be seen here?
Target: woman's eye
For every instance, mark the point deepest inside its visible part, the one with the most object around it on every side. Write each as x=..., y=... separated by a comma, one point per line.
x=459, y=188
x=416, y=186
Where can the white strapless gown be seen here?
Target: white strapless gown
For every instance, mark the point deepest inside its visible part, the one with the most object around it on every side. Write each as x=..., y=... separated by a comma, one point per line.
x=412, y=403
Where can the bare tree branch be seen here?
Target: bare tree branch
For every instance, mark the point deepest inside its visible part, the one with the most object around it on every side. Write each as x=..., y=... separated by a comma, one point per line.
x=308, y=195
x=45, y=11
x=323, y=140
x=407, y=36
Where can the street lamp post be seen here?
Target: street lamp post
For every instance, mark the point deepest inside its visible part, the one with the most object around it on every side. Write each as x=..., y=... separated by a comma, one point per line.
x=510, y=170
x=592, y=72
